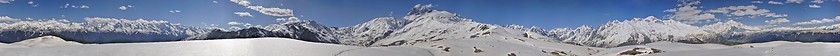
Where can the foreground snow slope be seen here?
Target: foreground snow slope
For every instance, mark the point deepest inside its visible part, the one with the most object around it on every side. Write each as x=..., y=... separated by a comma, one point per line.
x=777, y=48
x=45, y=41
x=273, y=46
x=480, y=46
x=228, y=47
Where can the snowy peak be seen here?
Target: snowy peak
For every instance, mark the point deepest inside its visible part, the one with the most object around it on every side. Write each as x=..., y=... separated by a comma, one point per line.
x=441, y=16
x=646, y=19
x=420, y=9
x=426, y=13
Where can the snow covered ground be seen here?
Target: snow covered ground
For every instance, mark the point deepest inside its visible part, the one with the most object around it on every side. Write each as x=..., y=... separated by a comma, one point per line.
x=485, y=46
x=228, y=47
x=423, y=32
x=776, y=48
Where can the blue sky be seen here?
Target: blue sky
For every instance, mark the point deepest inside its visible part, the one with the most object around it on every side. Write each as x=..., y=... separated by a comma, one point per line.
x=340, y=13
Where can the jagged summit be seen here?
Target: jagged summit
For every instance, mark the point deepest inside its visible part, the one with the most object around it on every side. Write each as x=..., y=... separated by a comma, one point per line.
x=420, y=9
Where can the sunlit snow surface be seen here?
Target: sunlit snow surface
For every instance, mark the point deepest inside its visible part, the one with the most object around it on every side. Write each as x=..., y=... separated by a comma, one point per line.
x=423, y=32
x=488, y=46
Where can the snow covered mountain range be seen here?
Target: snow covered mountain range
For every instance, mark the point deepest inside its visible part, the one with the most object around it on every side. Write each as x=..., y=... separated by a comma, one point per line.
x=422, y=25
x=95, y=30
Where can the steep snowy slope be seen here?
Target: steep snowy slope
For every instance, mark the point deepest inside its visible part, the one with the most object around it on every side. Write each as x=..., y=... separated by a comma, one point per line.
x=446, y=34
x=640, y=31
x=432, y=25
x=428, y=25
x=366, y=33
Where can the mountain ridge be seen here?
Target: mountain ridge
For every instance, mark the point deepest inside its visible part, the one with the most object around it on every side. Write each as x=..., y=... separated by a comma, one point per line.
x=424, y=24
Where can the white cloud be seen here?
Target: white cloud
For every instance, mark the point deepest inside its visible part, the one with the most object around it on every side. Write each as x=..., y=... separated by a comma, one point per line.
x=174, y=11
x=688, y=13
x=7, y=19
x=123, y=8
x=795, y=1
x=290, y=19
x=817, y=1
x=84, y=6
x=815, y=6
x=272, y=11
x=750, y=10
x=777, y=21
x=6, y=1
x=65, y=5
x=215, y=1
x=757, y=2
x=242, y=14
x=32, y=4
x=268, y=11
x=235, y=28
x=69, y=6
x=774, y=2
x=233, y=23
x=241, y=2
x=826, y=20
